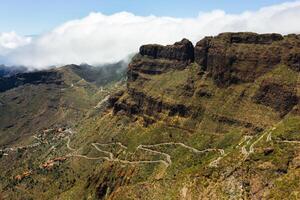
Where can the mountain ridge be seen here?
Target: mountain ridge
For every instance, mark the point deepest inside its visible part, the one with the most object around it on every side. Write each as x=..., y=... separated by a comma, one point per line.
x=225, y=68
x=218, y=120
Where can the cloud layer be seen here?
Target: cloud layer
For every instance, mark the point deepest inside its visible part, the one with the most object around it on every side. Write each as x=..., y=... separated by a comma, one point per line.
x=10, y=41
x=98, y=38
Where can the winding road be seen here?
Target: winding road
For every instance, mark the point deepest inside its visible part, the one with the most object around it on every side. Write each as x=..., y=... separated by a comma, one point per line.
x=110, y=156
x=289, y=141
x=166, y=161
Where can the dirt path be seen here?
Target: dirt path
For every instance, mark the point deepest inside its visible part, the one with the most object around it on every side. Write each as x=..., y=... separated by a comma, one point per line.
x=95, y=145
x=110, y=156
x=269, y=138
x=140, y=162
x=244, y=151
x=87, y=158
x=185, y=146
x=167, y=156
x=216, y=162
x=112, y=143
x=194, y=150
x=68, y=144
x=246, y=140
x=99, y=105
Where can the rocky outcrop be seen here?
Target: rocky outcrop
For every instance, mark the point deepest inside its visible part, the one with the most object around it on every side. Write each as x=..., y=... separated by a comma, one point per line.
x=279, y=97
x=181, y=51
x=252, y=38
x=227, y=59
x=293, y=59
x=114, y=98
x=152, y=60
x=140, y=103
x=237, y=122
x=157, y=59
x=232, y=58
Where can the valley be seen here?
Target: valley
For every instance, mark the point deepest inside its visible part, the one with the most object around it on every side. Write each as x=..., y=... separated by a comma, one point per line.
x=215, y=120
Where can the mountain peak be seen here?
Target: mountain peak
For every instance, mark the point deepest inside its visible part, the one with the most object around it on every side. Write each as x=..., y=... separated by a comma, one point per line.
x=181, y=51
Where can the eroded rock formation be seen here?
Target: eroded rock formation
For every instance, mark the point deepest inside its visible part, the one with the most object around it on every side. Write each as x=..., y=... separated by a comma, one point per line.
x=242, y=57
x=156, y=59
x=228, y=59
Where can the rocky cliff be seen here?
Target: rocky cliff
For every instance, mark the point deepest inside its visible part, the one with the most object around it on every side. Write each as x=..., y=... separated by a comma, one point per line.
x=228, y=59
x=235, y=91
x=156, y=59
x=242, y=57
x=218, y=120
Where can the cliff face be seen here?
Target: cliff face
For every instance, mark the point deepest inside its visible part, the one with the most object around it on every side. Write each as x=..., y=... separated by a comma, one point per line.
x=228, y=59
x=242, y=57
x=156, y=59
x=235, y=91
x=220, y=120
x=181, y=51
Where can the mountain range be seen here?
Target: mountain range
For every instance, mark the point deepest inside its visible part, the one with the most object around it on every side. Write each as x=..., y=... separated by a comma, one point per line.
x=215, y=120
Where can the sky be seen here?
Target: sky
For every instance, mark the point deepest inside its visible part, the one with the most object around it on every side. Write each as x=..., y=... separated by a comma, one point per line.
x=42, y=33
x=33, y=17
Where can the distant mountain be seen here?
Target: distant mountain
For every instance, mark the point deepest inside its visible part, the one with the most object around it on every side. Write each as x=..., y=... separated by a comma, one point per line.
x=11, y=70
x=30, y=101
x=100, y=75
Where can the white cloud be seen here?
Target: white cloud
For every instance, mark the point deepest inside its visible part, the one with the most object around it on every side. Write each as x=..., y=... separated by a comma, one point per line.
x=10, y=41
x=100, y=38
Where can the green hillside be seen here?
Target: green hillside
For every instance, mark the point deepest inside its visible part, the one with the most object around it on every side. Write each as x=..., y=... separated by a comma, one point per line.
x=220, y=120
